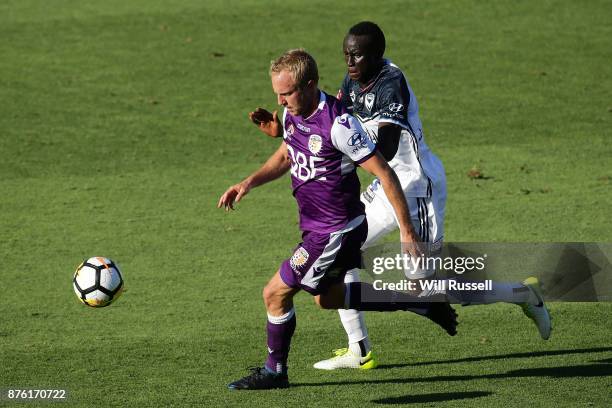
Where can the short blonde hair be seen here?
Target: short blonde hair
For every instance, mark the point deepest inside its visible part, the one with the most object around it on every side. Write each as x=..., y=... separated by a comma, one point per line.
x=299, y=63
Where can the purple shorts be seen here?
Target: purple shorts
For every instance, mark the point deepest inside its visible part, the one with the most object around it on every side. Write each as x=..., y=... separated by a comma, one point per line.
x=322, y=260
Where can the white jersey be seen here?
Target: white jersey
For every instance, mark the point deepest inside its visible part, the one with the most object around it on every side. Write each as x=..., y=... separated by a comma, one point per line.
x=389, y=98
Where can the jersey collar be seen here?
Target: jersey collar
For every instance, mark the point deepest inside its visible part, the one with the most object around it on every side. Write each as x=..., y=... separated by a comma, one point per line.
x=320, y=106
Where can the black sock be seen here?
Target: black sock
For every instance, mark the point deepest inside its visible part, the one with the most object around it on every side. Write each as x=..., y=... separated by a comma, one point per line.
x=363, y=296
x=362, y=348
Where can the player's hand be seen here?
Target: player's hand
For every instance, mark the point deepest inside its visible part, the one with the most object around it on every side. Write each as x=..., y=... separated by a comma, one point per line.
x=233, y=195
x=266, y=122
x=411, y=244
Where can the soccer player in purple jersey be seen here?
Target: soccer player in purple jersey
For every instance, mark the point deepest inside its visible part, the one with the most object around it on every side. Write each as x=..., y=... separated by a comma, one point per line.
x=321, y=145
x=377, y=93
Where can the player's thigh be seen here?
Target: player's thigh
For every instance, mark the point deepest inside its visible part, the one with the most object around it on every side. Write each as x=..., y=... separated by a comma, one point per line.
x=322, y=259
x=427, y=216
x=437, y=210
x=380, y=216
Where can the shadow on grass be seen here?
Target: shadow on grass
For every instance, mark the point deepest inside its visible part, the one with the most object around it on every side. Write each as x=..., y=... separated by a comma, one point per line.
x=603, y=361
x=434, y=397
x=592, y=370
x=499, y=357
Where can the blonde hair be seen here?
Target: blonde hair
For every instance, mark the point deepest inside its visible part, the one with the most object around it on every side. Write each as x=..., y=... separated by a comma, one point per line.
x=300, y=65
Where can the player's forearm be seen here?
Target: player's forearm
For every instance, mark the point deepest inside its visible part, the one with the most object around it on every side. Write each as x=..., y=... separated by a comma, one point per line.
x=275, y=167
x=266, y=174
x=393, y=189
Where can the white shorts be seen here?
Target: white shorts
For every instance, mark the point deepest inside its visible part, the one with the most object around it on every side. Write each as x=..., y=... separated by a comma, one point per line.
x=426, y=214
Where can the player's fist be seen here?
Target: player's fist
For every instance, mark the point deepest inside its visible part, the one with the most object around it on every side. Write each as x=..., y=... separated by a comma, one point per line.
x=266, y=122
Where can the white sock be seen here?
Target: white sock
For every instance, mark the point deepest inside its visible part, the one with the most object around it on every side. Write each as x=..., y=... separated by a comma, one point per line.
x=360, y=348
x=509, y=292
x=354, y=322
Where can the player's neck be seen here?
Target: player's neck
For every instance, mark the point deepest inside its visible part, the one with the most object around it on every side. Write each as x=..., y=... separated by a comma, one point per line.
x=370, y=76
x=313, y=106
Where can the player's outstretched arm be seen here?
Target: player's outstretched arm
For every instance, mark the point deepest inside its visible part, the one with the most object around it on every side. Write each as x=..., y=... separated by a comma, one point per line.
x=267, y=122
x=377, y=166
x=273, y=168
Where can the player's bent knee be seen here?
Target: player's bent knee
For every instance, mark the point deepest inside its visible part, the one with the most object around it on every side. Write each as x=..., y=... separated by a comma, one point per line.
x=268, y=294
x=277, y=295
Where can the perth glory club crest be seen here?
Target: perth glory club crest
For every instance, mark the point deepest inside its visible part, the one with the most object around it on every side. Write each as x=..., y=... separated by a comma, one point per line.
x=299, y=258
x=315, y=143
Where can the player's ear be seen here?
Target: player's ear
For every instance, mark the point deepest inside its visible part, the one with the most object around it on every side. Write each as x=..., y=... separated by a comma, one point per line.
x=311, y=84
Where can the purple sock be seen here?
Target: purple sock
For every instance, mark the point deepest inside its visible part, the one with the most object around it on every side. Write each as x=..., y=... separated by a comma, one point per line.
x=280, y=330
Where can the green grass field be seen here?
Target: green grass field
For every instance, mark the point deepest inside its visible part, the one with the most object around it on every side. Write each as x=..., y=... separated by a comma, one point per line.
x=121, y=123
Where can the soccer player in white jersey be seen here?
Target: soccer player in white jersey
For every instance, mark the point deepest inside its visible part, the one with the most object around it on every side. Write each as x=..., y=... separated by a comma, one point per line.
x=378, y=94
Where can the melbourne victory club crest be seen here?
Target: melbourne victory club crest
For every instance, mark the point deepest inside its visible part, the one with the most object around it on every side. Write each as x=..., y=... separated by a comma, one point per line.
x=315, y=143
x=299, y=258
x=369, y=101
x=352, y=95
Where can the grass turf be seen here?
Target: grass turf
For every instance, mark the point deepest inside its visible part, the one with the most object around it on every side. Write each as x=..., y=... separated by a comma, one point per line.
x=122, y=122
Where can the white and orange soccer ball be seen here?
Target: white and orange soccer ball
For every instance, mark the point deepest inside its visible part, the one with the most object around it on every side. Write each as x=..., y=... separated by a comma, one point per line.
x=97, y=282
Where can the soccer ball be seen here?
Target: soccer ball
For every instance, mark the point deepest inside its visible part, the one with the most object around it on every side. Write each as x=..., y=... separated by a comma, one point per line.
x=97, y=282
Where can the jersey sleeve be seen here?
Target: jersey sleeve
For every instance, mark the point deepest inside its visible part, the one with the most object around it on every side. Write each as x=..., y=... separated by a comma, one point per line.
x=348, y=137
x=393, y=101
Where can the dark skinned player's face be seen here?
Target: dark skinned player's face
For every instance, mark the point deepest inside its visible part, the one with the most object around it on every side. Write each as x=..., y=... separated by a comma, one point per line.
x=360, y=59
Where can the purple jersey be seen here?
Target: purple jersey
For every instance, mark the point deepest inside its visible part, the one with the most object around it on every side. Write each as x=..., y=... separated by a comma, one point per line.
x=323, y=149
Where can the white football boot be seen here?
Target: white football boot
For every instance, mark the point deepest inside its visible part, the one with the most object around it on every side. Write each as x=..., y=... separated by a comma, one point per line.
x=345, y=358
x=537, y=312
